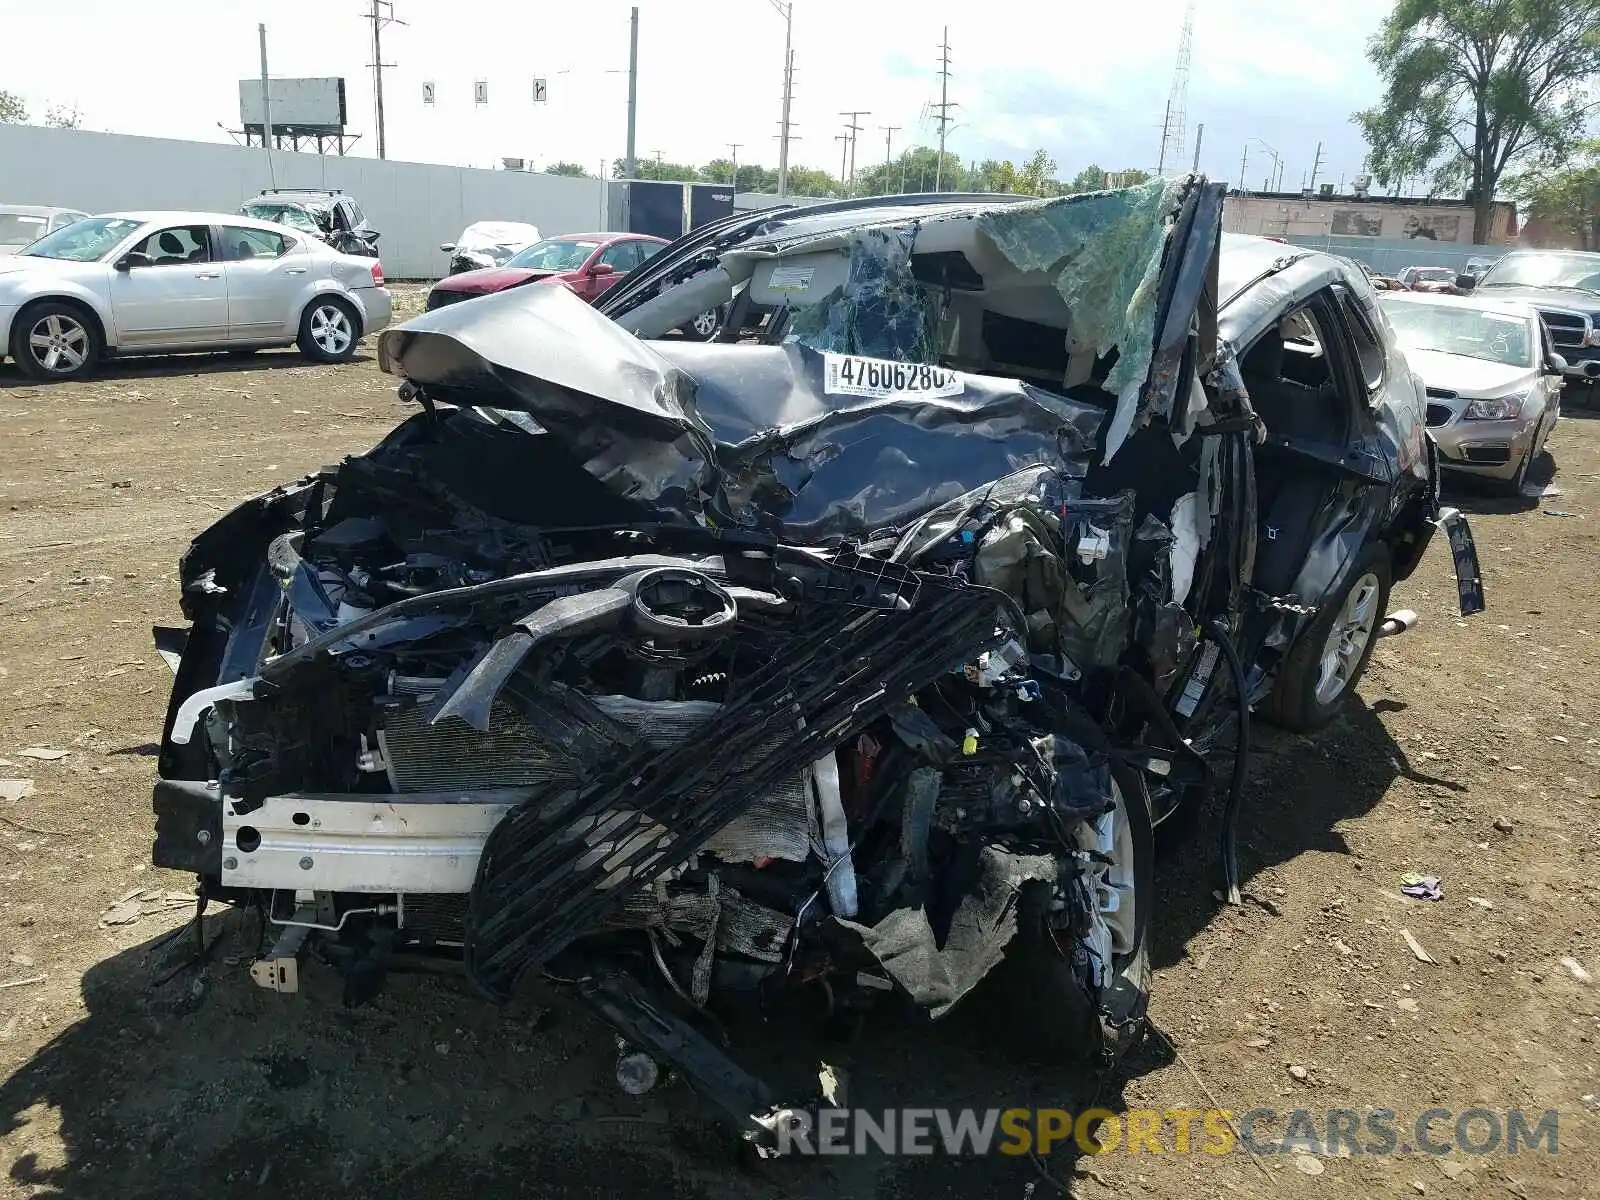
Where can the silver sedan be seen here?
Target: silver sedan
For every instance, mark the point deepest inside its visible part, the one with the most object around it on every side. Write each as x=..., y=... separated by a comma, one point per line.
x=160, y=282
x=1493, y=379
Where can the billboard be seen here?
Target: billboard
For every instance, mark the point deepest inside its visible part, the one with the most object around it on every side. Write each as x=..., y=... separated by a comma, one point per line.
x=307, y=104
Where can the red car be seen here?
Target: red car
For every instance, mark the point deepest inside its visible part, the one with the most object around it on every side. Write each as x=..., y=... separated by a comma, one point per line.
x=588, y=263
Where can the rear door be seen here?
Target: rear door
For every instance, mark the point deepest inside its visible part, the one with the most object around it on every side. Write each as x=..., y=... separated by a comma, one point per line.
x=177, y=298
x=266, y=272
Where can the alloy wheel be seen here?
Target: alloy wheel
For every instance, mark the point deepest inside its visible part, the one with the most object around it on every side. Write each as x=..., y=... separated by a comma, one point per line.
x=331, y=329
x=59, y=343
x=1348, y=639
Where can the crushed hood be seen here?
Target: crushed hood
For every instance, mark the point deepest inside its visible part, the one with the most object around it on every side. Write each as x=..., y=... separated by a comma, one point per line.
x=782, y=436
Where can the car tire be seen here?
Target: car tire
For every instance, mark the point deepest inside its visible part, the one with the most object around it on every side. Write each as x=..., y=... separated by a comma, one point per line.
x=1327, y=661
x=55, y=341
x=706, y=326
x=330, y=329
x=1045, y=1002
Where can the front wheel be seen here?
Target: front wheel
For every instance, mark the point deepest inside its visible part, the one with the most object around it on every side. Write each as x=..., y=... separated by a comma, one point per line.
x=1086, y=999
x=328, y=331
x=55, y=341
x=1328, y=660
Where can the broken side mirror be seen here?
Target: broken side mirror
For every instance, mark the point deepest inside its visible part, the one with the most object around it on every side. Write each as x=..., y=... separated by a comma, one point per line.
x=130, y=260
x=1554, y=364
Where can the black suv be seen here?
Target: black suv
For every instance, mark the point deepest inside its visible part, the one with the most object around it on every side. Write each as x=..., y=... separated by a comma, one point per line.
x=329, y=215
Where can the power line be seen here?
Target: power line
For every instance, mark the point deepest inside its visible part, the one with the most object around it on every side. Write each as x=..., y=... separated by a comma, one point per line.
x=944, y=106
x=382, y=15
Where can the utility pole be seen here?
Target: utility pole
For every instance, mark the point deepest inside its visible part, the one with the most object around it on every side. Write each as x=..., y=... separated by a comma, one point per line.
x=854, y=128
x=888, y=142
x=785, y=9
x=1199, y=136
x=266, y=109
x=657, y=153
x=1244, y=163
x=1316, y=166
x=382, y=14
x=734, y=146
x=944, y=106
x=632, y=164
x=844, y=153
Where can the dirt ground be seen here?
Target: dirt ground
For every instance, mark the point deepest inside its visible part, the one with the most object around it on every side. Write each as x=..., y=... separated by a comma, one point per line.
x=1473, y=754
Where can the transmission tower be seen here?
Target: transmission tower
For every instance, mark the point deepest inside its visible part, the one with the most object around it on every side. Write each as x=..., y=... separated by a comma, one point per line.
x=1173, y=130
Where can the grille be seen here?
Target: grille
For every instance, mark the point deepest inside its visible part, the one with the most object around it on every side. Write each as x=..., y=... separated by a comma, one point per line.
x=1438, y=414
x=1566, y=329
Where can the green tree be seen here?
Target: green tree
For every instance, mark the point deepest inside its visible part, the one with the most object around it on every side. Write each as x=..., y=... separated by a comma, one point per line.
x=571, y=169
x=806, y=181
x=649, y=168
x=59, y=116
x=1131, y=177
x=12, y=109
x=1037, y=177
x=995, y=175
x=718, y=170
x=1474, y=87
x=1091, y=179
x=1565, y=196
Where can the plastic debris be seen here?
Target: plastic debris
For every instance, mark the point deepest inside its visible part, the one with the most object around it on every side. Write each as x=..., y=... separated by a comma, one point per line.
x=1416, y=948
x=1575, y=969
x=1480, y=902
x=1307, y=1165
x=1422, y=887
x=43, y=753
x=12, y=790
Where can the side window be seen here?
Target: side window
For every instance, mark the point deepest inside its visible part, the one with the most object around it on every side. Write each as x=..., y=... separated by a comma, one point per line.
x=239, y=244
x=175, y=246
x=353, y=211
x=341, y=215
x=1368, y=342
x=622, y=256
x=1305, y=350
x=648, y=250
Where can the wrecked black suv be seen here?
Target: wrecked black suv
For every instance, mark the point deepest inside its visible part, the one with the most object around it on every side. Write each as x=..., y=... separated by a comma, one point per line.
x=866, y=654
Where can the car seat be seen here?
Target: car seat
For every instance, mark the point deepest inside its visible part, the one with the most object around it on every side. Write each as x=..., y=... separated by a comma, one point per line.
x=170, y=246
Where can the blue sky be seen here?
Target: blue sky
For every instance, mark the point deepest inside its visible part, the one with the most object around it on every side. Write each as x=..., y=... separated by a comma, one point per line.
x=1087, y=83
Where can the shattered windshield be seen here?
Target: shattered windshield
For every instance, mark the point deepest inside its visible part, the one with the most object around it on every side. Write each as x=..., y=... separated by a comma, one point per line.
x=1470, y=332
x=291, y=215
x=553, y=254
x=84, y=241
x=1581, y=271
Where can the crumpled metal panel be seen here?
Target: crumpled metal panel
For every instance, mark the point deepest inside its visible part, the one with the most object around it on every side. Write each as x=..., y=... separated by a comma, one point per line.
x=881, y=310
x=1103, y=250
x=985, y=922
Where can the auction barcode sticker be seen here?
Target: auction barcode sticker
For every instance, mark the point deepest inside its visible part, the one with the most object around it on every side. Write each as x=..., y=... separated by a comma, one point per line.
x=852, y=375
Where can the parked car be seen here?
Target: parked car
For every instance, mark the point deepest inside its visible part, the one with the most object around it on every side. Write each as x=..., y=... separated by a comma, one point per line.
x=1564, y=285
x=333, y=217
x=1493, y=378
x=585, y=263
x=23, y=224
x=1429, y=279
x=488, y=244
x=158, y=282
x=872, y=656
